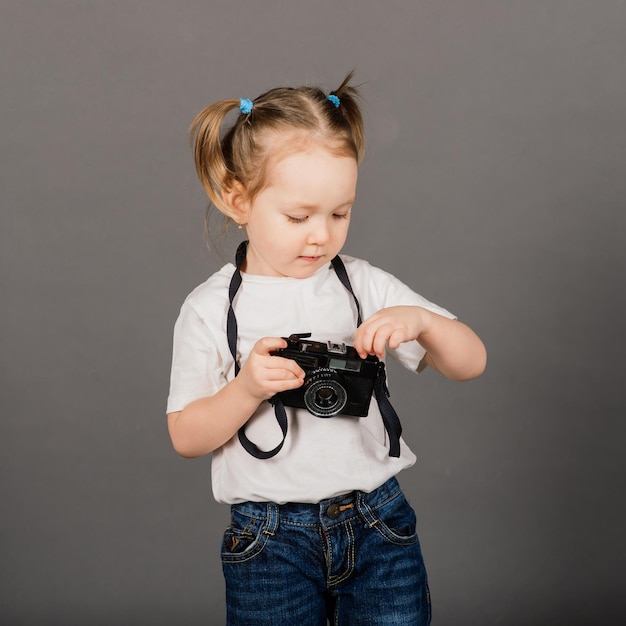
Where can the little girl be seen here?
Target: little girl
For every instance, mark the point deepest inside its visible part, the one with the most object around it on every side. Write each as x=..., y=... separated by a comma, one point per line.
x=320, y=529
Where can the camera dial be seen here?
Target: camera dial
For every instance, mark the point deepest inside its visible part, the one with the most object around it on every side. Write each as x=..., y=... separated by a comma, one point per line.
x=325, y=396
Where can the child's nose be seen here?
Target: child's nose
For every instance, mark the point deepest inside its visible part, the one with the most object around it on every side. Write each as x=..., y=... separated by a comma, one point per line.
x=318, y=233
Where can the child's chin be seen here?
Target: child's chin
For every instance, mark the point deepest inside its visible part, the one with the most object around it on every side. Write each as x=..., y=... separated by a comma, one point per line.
x=305, y=271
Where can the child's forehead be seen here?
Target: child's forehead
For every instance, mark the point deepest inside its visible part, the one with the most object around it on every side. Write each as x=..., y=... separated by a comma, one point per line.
x=315, y=173
x=280, y=146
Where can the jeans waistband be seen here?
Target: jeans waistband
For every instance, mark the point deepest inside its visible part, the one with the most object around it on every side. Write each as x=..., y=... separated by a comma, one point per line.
x=327, y=511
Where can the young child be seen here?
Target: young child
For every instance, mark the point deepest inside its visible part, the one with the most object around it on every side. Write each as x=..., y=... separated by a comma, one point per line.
x=320, y=529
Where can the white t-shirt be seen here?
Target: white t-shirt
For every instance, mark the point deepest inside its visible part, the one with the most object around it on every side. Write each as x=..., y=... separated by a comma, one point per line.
x=321, y=458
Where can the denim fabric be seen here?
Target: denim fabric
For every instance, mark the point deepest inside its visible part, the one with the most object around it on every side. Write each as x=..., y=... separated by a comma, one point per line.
x=354, y=559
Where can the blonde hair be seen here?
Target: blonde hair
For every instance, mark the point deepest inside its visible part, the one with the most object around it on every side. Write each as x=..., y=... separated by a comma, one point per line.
x=282, y=120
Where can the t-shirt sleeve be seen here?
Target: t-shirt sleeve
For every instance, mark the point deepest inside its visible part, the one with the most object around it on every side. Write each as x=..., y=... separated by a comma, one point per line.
x=197, y=368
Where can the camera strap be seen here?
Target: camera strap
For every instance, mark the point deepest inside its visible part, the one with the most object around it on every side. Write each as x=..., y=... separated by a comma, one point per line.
x=390, y=418
x=381, y=392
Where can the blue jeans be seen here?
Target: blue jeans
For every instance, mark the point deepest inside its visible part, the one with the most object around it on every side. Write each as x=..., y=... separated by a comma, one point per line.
x=354, y=559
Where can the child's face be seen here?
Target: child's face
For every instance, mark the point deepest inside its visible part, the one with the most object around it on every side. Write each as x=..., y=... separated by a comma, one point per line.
x=300, y=220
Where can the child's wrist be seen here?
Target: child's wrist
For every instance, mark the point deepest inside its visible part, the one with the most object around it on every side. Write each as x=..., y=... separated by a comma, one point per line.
x=424, y=322
x=243, y=393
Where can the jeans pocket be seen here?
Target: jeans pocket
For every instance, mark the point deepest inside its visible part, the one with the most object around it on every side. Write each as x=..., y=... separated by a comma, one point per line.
x=395, y=521
x=244, y=538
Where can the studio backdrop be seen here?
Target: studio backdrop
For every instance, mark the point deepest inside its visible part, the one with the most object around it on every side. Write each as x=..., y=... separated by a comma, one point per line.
x=493, y=184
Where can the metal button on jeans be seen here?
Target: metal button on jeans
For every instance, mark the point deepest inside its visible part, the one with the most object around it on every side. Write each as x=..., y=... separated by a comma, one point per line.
x=333, y=511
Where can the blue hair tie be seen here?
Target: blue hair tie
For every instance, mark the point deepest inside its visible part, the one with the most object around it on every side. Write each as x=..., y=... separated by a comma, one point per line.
x=245, y=105
x=334, y=99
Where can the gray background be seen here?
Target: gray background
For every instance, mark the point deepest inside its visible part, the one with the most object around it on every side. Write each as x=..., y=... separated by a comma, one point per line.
x=494, y=184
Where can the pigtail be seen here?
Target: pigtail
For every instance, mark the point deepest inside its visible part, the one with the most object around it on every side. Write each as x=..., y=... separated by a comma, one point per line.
x=212, y=166
x=348, y=97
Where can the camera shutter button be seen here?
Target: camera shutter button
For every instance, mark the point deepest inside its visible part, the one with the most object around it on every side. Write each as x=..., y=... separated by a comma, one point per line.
x=333, y=511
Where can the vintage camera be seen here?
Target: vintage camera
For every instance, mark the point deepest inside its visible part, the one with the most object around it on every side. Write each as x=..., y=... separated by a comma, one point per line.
x=337, y=379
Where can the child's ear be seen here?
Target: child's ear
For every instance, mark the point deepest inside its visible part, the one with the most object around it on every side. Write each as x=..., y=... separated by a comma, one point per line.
x=236, y=201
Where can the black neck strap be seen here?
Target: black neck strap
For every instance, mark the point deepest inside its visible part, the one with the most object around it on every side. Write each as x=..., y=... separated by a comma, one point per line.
x=388, y=413
x=231, y=320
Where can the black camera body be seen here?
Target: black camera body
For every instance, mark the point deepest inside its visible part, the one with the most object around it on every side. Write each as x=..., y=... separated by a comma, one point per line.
x=337, y=380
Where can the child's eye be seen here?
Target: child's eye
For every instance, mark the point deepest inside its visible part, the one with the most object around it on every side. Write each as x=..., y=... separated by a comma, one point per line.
x=297, y=220
x=341, y=216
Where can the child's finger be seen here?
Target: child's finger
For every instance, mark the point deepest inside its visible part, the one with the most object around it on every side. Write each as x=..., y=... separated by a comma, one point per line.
x=363, y=338
x=266, y=345
x=397, y=337
x=381, y=339
x=282, y=364
x=291, y=383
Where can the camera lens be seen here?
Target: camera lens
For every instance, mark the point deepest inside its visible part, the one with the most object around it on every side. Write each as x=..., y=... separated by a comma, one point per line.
x=325, y=396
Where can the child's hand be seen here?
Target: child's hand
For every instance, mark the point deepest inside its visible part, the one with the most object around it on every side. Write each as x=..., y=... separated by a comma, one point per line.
x=452, y=348
x=391, y=326
x=263, y=375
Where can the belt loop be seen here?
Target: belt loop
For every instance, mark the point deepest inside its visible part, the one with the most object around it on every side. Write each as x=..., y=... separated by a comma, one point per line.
x=365, y=510
x=273, y=515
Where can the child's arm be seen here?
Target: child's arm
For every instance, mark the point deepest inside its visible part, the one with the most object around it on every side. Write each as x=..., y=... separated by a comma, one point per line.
x=452, y=348
x=207, y=423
